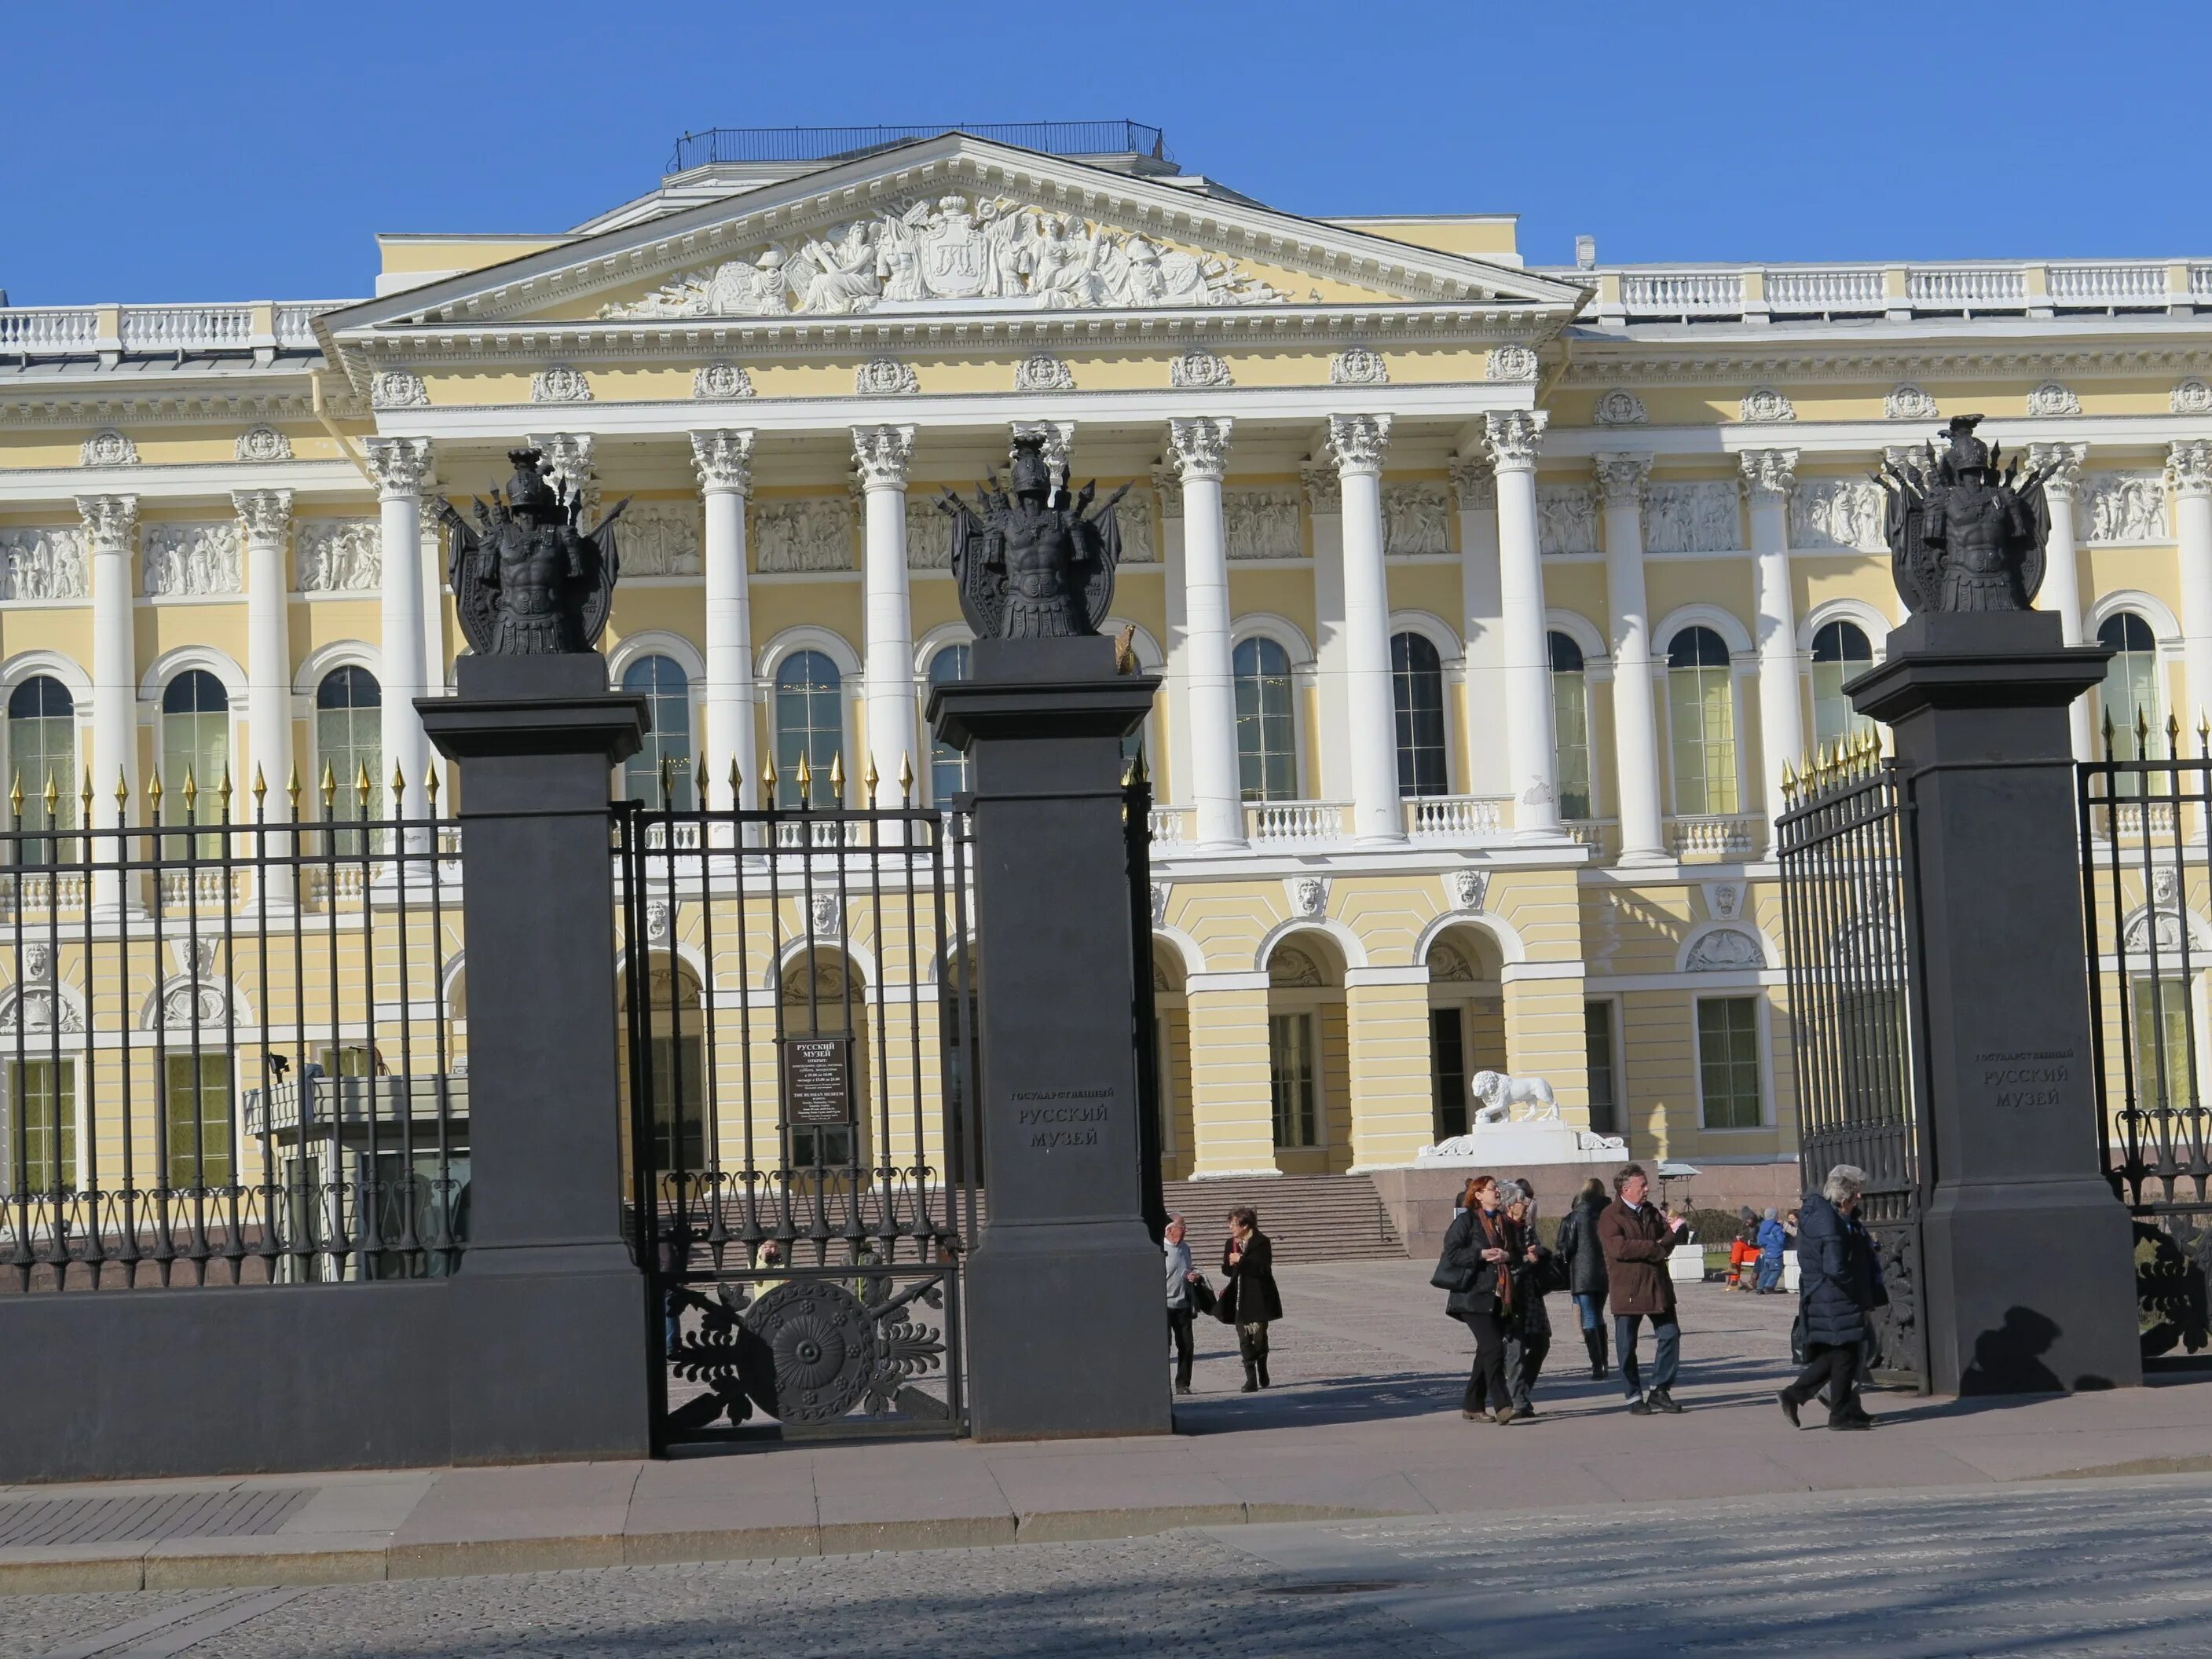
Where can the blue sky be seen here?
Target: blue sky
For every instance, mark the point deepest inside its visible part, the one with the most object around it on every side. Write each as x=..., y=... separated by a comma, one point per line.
x=233, y=151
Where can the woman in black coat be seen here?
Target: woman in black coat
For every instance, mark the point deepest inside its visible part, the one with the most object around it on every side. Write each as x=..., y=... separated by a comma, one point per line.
x=1584, y=1258
x=1839, y=1284
x=1480, y=1249
x=1247, y=1263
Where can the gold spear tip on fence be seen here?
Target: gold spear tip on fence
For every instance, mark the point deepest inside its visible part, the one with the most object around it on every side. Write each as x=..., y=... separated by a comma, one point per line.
x=737, y=782
x=16, y=795
x=292, y=789
x=430, y=784
x=191, y=790
x=330, y=788
x=398, y=786
x=837, y=778
x=699, y=781
x=87, y=797
x=1128, y=774
x=2142, y=729
x=805, y=778
x=2108, y=734
x=1144, y=766
x=222, y=796
x=361, y=786
x=768, y=773
x=260, y=787
x=1789, y=782
x=906, y=779
x=122, y=793
x=869, y=780
x=53, y=796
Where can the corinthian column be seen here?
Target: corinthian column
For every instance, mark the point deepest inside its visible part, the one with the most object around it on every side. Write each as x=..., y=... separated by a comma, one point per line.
x=1513, y=436
x=1768, y=476
x=2189, y=462
x=266, y=518
x=1200, y=448
x=401, y=467
x=882, y=453
x=1356, y=443
x=724, y=461
x=1480, y=623
x=110, y=523
x=2061, y=465
x=1621, y=481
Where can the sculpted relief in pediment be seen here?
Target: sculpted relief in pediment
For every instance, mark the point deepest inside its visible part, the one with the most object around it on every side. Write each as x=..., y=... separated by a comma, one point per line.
x=950, y=251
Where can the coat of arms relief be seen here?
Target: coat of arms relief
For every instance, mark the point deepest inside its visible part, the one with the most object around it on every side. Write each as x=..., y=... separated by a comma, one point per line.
x=949, y=251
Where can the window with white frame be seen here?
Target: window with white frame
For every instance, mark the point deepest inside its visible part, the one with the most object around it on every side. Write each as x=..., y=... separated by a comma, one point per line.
x=195, y=751
x=810, y=724
x=1840, y=654
x=349, y=741
x=1416, y=689
x=949, y=773
x=2132, y=703
x=41, y=1126
x=1701, y=723
x=42, y=759
x=1727, y=1062
x=1294, y=1078
x=1266, y=723
x=665, y=754
x=196, y=1120
x=1571, y=734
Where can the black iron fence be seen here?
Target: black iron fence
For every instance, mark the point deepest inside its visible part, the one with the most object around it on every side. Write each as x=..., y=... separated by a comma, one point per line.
x=1849, y=915
x=231, y=1050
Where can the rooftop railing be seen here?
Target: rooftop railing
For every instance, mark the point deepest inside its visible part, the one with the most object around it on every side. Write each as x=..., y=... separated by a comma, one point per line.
x=260, y=330
x=2028, y=288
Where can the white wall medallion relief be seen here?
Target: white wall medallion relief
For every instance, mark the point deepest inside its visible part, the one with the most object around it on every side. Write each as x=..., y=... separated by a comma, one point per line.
x=884, y=376
x=2053, y=398
x=2121, y=507
x=560, y=384
x=262, y=443
x=1136, y=519
x=714, y=381
x=397, y=388
x=661, y=539
x=657, y=920
x=190, y=559
x=928, y=536
x=2191, y=398
x=1765, y=405
x=2165, y=884
x=1447, y=966
x=1725, y=951
x=1161, y=891
x=825, y=914
x=1619, y=407
x=1470, y=889
x=1357, y=366
x=108, y=449
x=1324, y=488
x=1262, y=524
x=1511, y=363
x=38, y=1004
x=1837, y=513
x=1567, y=519
x=1198, y=370
x=1042, y=372
x=809, y=533
x=339, y=556
x=1415, y=519
x=1908, y=403
x=1309, y=895
x=1723, y=900
x=43, y=562
x=1692, y=517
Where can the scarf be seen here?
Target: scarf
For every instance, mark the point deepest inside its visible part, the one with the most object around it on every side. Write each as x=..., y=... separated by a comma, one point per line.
x=1496, y=1228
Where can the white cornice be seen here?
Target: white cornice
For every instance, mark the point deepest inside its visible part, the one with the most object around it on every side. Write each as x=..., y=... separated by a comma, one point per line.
x=1942, y=351
x=179, y=482
x=1858, y=439
x=81, y=404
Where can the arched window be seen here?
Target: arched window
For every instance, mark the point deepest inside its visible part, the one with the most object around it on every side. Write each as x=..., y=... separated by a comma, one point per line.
x=948, y=775
x=195, y=749
x=2130, y=695
x=1417, y=687
x=1840, y=653
x=1570, y=726
x=667, y=749
x=1701, y=723
x=42, y=749
x=350, y=740
x=810, y=721
x=1266, y=729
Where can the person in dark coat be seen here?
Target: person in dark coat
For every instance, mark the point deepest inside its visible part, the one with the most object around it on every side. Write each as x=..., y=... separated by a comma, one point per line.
x=1247, y=1263
x=1528, y=1331
x=1838, y=1285
x=1479, y=1247
x=1582, y=1259
x=1638, y=1241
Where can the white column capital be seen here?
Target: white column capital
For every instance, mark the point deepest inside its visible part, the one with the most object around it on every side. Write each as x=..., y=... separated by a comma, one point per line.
x=1201, y=444
x=266, y=513
x=724, y=460
x=1476, y=481
x=1512, y=436
x=1056, y=438
x=1356, y=442
x=882, y=454
x=2061, y=465
x=1623, y=477
x=2190, y=461
x=571, y=460
x=401, y=466
x=108, y=519
x=1324, y=488
x=1768, y=473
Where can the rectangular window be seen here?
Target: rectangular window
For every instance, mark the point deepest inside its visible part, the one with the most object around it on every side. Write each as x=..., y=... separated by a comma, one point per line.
x=1292, y=1076
x=42, y=1126
x=1448, y=1065
x=1597, y=1046
x=2160, y=1022
x=677, y=1065
x=1728, y=1061
x=195, y=1118
x=1571, y=730
x=1701, y=723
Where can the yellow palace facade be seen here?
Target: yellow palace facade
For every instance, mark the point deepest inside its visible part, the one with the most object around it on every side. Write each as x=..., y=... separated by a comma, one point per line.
x=1489, y=601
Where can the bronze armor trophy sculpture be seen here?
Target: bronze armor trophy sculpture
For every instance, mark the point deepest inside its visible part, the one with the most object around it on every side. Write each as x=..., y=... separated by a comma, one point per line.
x=1961, y=536
x=527, y=580
x=1030, y=563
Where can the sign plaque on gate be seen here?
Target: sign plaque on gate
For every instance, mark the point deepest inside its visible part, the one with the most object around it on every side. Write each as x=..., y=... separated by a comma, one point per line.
x=817, y=1079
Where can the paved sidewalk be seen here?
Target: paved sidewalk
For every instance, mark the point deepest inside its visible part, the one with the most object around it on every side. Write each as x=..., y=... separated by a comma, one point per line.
x=1363, y=1422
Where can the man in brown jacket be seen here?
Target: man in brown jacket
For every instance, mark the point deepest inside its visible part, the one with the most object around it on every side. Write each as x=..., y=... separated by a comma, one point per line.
x=1637, y=1241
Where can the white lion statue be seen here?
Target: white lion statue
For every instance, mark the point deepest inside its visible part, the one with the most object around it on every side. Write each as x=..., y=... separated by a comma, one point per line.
x=1502, y=1099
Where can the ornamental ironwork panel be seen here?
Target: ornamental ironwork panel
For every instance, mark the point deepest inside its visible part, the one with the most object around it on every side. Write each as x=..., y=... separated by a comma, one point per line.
x=804, y=1165
x=1850, y=918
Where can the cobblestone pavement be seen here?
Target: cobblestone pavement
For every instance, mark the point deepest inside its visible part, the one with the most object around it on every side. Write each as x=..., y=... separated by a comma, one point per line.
x=2095, y=1568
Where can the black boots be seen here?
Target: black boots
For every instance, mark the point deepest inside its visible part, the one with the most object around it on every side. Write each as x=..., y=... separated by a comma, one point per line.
x=1594, y=1341
x=1251, y=1377
x=1264, y=1381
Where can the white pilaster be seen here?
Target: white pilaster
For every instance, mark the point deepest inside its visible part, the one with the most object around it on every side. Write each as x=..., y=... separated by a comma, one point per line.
x=1356, y=443
x=1481, y=624
x=402, y=466
x=1768, y=477
x=265, y=516
x=1622, y=480
x=1513, y=436
x=2188, y=463
x=882, y=453
x=724, y=460
x=2061, y=465
x=1332, y=727
x=1200, y=448
x=111, y=524
x=1167, y=484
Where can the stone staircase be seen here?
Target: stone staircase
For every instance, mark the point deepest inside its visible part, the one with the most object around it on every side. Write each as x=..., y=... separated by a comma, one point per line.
x=1310, y=1218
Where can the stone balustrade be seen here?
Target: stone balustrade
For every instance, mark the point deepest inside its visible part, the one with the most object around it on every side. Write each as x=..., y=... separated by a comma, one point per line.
x=1897, y=292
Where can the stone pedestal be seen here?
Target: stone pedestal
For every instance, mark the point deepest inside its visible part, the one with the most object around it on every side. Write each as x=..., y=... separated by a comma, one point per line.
x=548, y=1323
x=2028, y=1257
x=1066, y=1317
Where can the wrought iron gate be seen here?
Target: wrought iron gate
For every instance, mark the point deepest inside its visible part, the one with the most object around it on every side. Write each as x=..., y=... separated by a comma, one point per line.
x=798, y=1004
x=1849, y=915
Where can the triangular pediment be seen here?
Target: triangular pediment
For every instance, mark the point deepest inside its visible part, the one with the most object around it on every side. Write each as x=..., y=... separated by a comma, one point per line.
x=957, y=225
